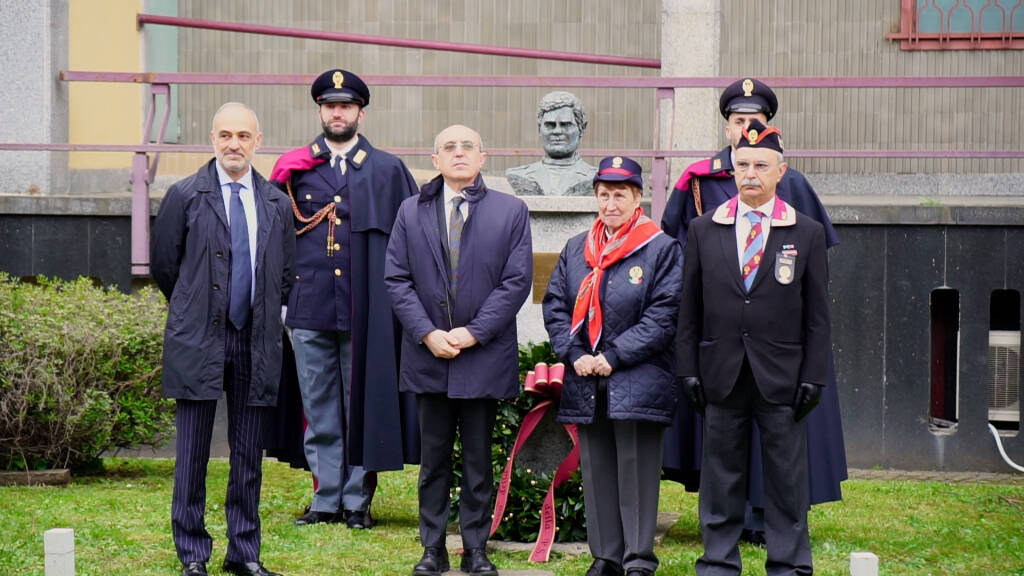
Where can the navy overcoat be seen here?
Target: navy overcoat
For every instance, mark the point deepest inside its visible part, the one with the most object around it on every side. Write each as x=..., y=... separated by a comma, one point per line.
x=191, y=246
x=640, y=307
x=495, y=272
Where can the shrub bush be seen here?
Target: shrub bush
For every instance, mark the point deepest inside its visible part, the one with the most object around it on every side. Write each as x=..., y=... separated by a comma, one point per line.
x=527, y=488
x=79, y=372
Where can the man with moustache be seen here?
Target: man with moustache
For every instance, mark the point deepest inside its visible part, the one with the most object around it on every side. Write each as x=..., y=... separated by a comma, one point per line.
x=222, y=253
x=345, y=194
x=703, y=187
x=753, y=344
x=459, y=267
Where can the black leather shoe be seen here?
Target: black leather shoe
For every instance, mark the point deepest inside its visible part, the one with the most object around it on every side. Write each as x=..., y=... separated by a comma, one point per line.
x=316, y=517
x=755, y=537
x=193, y=569
x=602, y=567
x=475, y=563
x=359, y=519
x=639, y=572
x=433, y=563
x=247, y=569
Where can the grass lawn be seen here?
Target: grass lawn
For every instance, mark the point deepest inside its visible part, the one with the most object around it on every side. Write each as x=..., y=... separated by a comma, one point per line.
x=122, y=526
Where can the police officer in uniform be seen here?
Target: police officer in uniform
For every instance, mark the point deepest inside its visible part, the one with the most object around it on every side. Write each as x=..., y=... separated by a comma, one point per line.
x=345, y=195
x=704, y=186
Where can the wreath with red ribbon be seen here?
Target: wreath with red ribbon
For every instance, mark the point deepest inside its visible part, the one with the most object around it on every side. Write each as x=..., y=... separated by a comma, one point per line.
x=546, y=383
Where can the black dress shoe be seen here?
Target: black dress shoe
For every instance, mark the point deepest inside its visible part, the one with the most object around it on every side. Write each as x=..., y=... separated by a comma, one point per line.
x=316, y=517
x=475, y=563
x=433, y=563
x=247, y=569
x=601, y=567
x=755, y=537
x=639, y=572
x=193, y=569
x=359, y=519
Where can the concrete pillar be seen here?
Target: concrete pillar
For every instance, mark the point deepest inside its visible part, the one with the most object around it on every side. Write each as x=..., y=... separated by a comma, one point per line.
x=33, y=101
x=863, y=564
x=59, y=546
x=690, y=39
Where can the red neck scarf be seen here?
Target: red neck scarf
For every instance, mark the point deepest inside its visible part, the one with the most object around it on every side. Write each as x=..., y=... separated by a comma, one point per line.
x=600, y=252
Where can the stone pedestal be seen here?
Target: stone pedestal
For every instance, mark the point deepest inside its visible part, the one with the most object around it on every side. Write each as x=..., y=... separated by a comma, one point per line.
x=59, y=547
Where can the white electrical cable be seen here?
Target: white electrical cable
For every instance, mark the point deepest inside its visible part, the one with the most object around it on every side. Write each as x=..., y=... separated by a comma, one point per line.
x=999, y=444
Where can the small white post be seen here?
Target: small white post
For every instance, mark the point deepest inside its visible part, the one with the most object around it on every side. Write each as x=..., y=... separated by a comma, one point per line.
x=863, y=564
x=59, y=546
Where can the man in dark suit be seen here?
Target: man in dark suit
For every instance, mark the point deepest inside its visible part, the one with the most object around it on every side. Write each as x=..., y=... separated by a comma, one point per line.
x=704, y=186
x=754, y=340
x=222, y=254
x=345, y=194
x=458, y=269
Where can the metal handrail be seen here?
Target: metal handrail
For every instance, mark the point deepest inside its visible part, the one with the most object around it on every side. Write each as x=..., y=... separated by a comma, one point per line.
x=399, y=42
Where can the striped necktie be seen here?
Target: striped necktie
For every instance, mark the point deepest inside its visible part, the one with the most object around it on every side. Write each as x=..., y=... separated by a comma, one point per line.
x=754, y=248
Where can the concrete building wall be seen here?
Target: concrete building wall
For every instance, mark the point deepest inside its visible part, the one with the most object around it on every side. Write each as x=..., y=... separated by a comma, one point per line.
x=405, y=116
x=842, y=38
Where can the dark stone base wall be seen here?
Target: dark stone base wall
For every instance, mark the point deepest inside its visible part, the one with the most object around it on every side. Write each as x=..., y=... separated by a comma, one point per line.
x=882, y=279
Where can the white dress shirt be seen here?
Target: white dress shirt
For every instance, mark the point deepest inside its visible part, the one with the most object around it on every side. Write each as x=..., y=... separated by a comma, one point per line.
x=338, y=154
x=248, y=197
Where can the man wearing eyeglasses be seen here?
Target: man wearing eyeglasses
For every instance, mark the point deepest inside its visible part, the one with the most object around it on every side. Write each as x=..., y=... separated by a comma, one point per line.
x=459, y=267
x=704, y=186
x=345, y=194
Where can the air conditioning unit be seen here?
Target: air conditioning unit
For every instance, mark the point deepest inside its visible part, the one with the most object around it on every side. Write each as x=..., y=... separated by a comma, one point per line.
x=1004, y=379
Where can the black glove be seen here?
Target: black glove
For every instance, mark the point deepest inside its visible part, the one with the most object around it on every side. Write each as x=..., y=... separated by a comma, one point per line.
x=807, y=397
x=694, y=391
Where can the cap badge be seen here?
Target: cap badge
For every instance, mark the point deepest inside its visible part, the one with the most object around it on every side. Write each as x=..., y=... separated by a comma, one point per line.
x=338, y=78
x=752, y=137
x=748, y=87
x=617, y=162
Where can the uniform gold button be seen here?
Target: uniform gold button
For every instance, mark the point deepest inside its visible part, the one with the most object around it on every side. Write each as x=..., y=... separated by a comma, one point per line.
x=297, y=277
x=337, y=199
x=337, y=221
x=337, y=247
x=337, y=271
x=309, y=196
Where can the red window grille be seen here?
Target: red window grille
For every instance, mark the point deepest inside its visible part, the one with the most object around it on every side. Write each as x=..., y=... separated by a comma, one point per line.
x=960, y=25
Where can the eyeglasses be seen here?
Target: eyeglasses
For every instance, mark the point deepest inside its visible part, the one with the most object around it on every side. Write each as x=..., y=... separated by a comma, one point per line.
x=466, y=145
x=742, y=166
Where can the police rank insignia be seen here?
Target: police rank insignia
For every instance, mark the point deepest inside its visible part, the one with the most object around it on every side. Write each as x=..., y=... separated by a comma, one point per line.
x=636, y=275
x=338, y=78
x=784, y=267
x=359, y=157
x=748, y=87
x=315, y=149
x=617, y=162
x=752, y=137
x=717, y=164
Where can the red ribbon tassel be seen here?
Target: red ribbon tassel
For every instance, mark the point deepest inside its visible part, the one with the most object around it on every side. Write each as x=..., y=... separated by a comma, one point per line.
x=546, y=383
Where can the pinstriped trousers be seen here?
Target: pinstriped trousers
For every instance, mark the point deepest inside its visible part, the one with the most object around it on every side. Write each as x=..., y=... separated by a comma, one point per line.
x=194, y=421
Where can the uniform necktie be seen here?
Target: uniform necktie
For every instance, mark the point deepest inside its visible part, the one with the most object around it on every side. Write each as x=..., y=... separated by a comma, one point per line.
x=455, y=224
x=754, y=248
x=239, y=302
x=339, y=163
